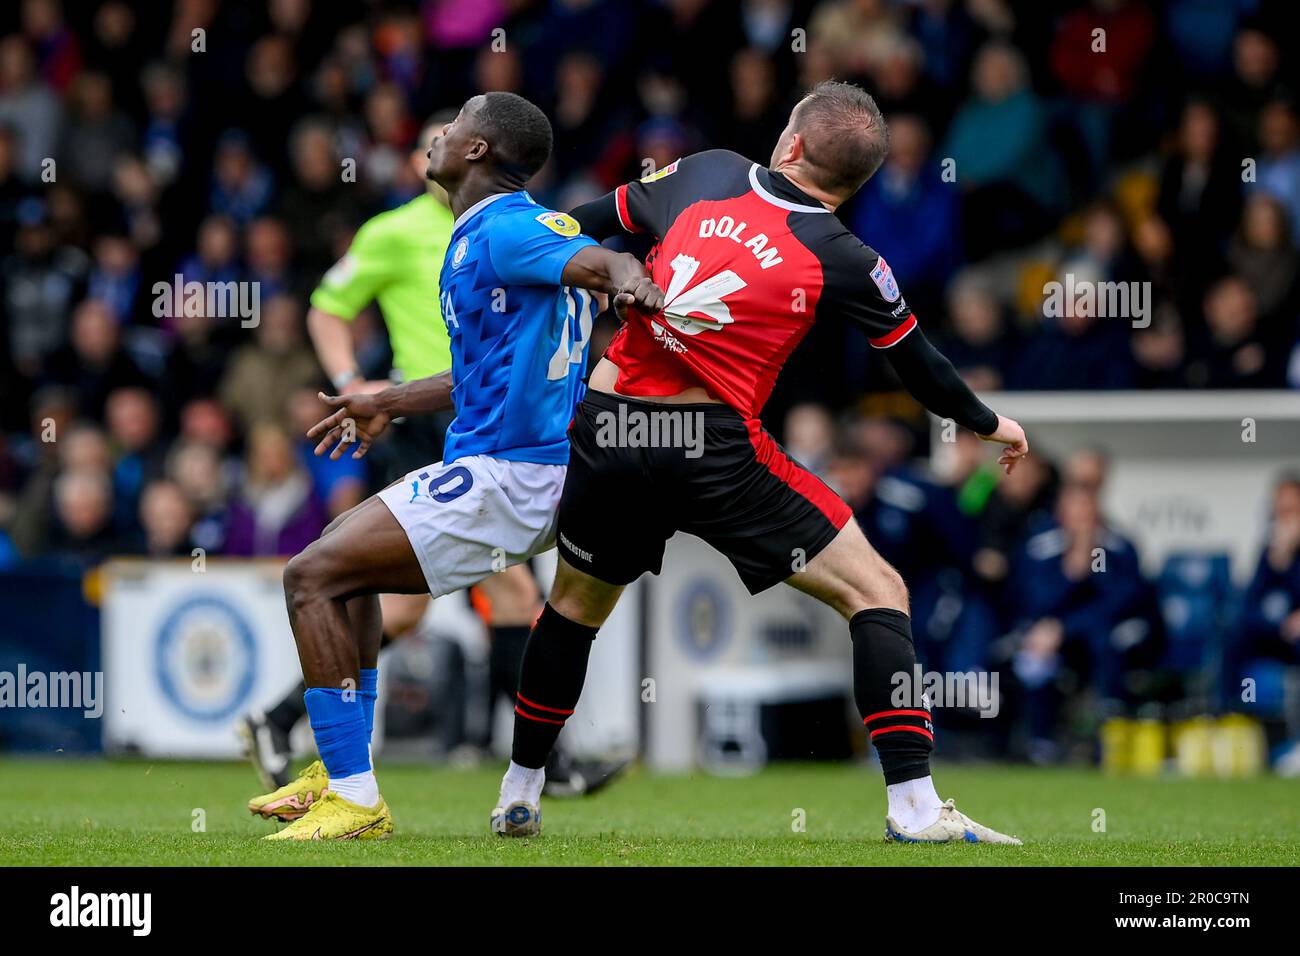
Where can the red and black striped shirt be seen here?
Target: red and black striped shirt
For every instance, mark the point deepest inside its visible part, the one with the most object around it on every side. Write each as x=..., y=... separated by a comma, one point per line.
x=748, y=262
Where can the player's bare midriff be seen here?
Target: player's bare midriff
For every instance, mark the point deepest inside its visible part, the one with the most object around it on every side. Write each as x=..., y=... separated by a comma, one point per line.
x=605, y=377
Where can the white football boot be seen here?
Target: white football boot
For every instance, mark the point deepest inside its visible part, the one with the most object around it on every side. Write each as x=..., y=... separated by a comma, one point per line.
x=518, y=819
x=953, y=826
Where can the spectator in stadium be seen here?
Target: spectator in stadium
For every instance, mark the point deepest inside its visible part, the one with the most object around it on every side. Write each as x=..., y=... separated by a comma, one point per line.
x=1256, y=77
x=82, y=448
x=262, y=375
x=1278, y=172
x=28, y=106
x=117, y=46
x=1159, y=351
x=979, y=345
x=133, y=427
x=241, y=186
x=275, y=511
x=902, y=86
x=12, y=190
x=852, y=33
x=96, y=133
x=1084, y=607
x=498, y=69
x=59, y=52
x=1019, y=506
x=957, y=614
x=339, y=483
x=1004, y=165
x=1088, y=467
x=390, y=128
x=1103, y=248
x=316, y=205
x=810, y=437
x=1099, y=86
x=1264, y=255
x=136, y=192
x=115, y=277
x=1235, y=352
x=268, y=256
x=1081, y=348
x=95, y=363
x=215, y=258
x=909, y=213
x=193, y=366
x=1269, y=623
x=165, y=520
x=1200, y=192
x=197, y=469
x=948, y=36
x=83, y=509
x=1201, y=35
x=273, y=101
x=582, y=112
x=166, y=128
x=41, y=281
x=207, y=422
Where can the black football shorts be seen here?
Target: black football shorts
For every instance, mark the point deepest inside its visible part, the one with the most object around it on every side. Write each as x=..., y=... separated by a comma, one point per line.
x=640, y=471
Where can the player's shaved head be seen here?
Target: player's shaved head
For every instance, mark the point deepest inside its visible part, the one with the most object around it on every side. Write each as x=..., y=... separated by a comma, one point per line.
x=497, y=141
x=518, y=133
x=844, y=135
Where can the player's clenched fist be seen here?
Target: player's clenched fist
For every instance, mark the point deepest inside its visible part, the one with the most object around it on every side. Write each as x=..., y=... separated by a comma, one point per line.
x=641, y=292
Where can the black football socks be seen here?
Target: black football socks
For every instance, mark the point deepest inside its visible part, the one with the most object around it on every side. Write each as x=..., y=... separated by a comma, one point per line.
x=902, y=735
x=550, y=682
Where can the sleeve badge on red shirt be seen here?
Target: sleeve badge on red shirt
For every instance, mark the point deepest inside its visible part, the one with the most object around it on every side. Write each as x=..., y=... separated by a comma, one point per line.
x=883, y=277
x=661, y=173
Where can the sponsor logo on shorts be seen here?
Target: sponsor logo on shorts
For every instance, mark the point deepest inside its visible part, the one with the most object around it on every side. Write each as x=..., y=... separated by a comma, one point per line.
x=585, y=555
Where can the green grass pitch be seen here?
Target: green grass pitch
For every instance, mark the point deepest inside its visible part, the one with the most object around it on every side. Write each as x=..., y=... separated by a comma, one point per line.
x=96, y=812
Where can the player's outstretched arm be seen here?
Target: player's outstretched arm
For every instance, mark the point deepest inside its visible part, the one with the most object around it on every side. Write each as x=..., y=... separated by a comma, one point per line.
x=614, y=273
x=599, y=218
x=360, y=418
x=933, y=382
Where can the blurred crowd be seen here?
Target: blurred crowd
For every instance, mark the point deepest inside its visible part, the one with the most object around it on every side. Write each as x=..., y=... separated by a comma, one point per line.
x=1025, y=575
x=1103, y=140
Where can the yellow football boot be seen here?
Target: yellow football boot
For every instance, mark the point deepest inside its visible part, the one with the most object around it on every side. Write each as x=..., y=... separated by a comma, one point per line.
x=296, y=797
x=333, y=818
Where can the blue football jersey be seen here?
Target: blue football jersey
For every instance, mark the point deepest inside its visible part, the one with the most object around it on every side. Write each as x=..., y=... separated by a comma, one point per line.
x=518, y=337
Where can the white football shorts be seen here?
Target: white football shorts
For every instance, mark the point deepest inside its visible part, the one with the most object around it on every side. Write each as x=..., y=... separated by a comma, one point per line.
x=476, y=516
